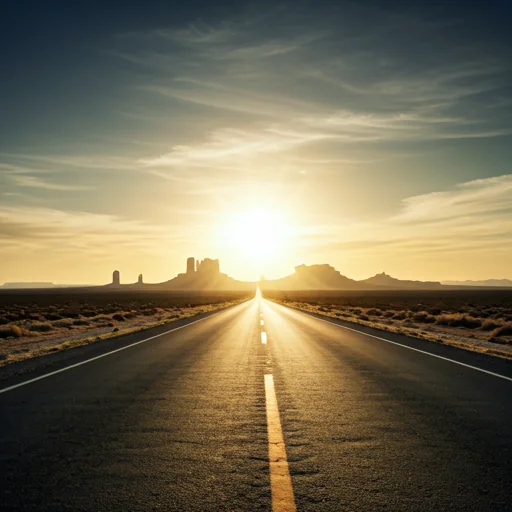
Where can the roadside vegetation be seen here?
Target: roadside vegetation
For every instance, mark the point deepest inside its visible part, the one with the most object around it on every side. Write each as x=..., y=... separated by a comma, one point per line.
x=35, y=323
x=475, y=320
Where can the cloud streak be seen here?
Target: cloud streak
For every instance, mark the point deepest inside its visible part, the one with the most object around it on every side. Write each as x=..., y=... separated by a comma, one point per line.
x=36, y=182
x=274, y=88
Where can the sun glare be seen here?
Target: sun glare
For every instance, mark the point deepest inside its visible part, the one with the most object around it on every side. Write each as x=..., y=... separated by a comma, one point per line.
x=258, y=236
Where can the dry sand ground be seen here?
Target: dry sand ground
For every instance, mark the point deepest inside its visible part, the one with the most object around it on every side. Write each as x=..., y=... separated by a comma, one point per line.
x=29, y=329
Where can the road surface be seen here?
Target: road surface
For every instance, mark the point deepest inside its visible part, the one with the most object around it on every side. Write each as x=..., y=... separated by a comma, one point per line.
x=260, y=407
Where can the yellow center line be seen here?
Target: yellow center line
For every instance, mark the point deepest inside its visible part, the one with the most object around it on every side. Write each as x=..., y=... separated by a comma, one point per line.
x=264, y=338
x=280, y=481
x=262, y=322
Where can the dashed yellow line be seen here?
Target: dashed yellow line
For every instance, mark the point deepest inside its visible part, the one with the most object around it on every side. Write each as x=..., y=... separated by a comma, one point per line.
x=283, y=499
x=264, y=338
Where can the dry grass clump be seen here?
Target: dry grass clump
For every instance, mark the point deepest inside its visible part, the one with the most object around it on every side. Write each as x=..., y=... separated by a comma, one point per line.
x=36, y=322
x=63, y=323
x=5, y=332
x=89, y=313
x=101, y=318
x=504, y=330
x=52, y=316
x=80, y=322
x=17, y=331
x=459, y=320
x=423, y=317
x=12, y=331
x=491, y=324
x=40, y=327
x=69, y=313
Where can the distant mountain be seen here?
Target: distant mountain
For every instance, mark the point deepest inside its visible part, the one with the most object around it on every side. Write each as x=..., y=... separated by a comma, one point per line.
x=205, y=281
x=507, y=283
x=38, y=285
x=206, y=277
x=325, y=277
x=313, y=277
x=384, y=280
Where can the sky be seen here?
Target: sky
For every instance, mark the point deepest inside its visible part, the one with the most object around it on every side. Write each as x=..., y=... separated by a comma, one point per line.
x=373, y=136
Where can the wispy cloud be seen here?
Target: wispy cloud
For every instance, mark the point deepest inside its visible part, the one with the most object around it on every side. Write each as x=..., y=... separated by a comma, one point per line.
x=273, y=88
x=475, y=199
x=36, y=182
x=474, y=215
x=62, y=230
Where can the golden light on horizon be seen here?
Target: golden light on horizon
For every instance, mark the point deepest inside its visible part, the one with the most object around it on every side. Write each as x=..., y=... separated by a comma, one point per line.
x=257, y=236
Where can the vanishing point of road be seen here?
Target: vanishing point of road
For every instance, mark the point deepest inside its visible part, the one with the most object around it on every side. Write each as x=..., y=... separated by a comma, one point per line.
x=258, y=407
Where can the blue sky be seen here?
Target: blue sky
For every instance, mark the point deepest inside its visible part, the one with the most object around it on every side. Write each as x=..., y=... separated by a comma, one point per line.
x=376, y=134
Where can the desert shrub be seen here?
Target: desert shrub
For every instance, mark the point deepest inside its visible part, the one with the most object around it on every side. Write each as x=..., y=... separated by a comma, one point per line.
x=471, y=322
x=389, y=314
x=364, y=317
x=63, y=322
x=70, y=313
x=444, y=319
x=116, y=329
x=5, y=332
x=3, y=320
x=101, y=318
x=356, y=311
x=36, y=317
x=42, y=327
x=423, y=317
x=16, y=331
x=434, y=311
x=458, y=320
x=118, y=317
x=324, y=309
x=374, y=312
x=399, y=316
x=149, y=312
x=491, y=324
x=89, y=313
x=12, y=317
x=52, y=316
x=130, y=315
x=504, y=330
x=80, y=322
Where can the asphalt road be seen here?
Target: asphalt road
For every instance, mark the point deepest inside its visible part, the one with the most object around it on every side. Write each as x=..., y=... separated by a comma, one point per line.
x=178, y=423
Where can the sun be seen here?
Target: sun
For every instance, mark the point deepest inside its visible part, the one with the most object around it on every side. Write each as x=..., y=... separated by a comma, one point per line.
x=258, y=236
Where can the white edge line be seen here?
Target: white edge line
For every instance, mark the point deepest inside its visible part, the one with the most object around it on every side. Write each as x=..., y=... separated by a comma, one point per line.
x=4, y=390
x=411, y=348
